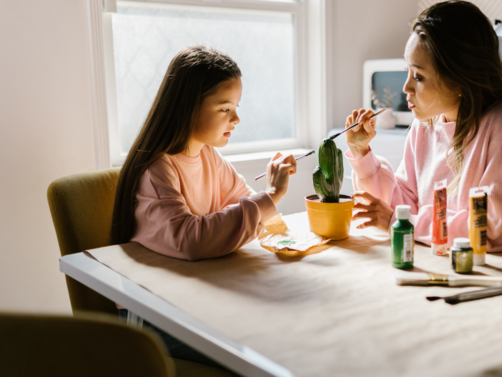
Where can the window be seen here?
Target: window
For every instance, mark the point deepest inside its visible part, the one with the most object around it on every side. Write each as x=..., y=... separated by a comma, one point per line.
x=268, y=40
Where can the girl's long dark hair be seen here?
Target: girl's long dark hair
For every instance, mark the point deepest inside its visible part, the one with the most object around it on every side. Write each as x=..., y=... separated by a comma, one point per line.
x=193, y=74
x=464, y=51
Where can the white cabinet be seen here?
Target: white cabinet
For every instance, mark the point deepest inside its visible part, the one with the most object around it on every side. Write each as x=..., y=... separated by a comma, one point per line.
x=387, y=143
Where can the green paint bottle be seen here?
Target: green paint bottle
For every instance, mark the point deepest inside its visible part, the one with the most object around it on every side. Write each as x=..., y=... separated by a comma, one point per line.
x=402, y=239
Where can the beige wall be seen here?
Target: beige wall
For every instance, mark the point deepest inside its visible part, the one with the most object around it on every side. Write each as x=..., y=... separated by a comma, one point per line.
x=363, y=30
x=46, y=122
x=491, y=8
x=45, y=133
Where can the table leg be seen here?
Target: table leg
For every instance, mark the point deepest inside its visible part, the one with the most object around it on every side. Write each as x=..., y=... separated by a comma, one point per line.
x=133, y=319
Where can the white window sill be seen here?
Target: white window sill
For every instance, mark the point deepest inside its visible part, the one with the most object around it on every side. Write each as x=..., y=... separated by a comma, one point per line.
x=246, y=157
x=265, y=155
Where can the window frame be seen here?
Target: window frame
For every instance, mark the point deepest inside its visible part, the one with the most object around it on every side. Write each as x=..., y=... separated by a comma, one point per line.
x=309, y=74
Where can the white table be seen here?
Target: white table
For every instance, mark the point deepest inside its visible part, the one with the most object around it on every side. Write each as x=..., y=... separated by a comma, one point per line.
x=159, y=312
x=337, y=312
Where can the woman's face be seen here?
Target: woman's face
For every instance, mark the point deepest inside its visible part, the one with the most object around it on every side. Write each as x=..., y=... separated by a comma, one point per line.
x=426, y=95
x=218, y=115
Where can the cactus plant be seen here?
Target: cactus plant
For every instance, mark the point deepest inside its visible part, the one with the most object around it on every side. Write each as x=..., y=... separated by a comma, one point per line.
x=328, y=176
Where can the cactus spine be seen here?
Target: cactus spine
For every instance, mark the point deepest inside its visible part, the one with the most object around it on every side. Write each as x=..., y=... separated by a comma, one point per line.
x=328, y=176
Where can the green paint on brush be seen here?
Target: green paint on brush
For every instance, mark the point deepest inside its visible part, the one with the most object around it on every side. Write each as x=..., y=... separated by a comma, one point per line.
x=328, y=176
x=286, y=242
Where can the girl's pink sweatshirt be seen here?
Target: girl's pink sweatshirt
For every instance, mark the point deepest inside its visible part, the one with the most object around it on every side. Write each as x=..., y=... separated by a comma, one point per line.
x=424, y=162
x=197, y=208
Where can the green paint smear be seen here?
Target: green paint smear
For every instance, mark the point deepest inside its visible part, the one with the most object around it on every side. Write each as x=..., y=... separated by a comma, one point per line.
x=285, y=242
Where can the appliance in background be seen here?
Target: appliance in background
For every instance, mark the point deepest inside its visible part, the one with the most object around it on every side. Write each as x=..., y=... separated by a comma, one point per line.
x=383, y=81
x=382, y=78
x=498, y=30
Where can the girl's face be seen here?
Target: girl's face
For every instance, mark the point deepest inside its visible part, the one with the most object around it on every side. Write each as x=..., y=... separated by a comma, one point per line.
x=426, y=95
x=217, y=116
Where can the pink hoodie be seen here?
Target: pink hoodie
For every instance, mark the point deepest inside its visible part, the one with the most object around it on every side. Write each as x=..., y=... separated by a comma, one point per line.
x=197, y=208
x=424, y=162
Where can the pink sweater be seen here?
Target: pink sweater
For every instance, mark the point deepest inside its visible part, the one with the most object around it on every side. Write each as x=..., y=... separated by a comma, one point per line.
x=197, y=208
x=424, y=162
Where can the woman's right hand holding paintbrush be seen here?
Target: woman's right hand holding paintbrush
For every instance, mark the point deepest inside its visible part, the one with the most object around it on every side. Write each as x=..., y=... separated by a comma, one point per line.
x=358, y=139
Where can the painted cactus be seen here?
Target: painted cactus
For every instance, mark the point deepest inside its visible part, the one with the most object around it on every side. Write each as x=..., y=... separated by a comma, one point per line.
x=328, y=176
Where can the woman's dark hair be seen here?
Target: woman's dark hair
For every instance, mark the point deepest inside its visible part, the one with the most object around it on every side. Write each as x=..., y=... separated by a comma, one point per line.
x=192, y=75
x=464, y=51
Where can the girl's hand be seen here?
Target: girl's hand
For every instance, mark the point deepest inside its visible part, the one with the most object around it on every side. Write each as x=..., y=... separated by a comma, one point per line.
x=374, y=209
x=278, y=171
x=358, y=138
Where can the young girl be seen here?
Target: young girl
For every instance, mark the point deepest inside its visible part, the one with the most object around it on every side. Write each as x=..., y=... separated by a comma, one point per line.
x=176, y=194
x=454, y=88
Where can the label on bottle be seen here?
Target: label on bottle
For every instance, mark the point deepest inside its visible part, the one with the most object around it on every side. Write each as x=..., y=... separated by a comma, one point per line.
x=439, y=223
x=478, y=220
x=407, y=255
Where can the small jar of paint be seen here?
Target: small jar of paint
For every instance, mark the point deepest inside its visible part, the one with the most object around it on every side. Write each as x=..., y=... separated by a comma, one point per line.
x=462, y=256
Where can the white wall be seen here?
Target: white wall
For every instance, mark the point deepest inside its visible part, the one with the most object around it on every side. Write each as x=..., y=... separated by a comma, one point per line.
x=46, y=124
x=363, y=30
x=45, y=133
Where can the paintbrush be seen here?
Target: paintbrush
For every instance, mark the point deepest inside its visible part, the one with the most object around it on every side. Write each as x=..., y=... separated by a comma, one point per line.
x=427, y=278
x=468, y=296
x=331, y=137
x=297, y=158
x=355, y=125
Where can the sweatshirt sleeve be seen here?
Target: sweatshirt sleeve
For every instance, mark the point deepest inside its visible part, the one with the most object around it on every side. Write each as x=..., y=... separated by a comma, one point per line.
x=375, y=175
x=166, y=225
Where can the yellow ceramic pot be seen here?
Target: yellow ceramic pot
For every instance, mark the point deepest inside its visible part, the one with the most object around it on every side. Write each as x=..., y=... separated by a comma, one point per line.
x=331, y=220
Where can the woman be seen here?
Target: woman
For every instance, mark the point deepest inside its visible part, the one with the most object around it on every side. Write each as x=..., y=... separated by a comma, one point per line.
x=454, y=89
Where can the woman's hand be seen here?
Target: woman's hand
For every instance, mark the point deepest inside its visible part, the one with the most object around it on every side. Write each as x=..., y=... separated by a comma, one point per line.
x=278, y=171
x=374, y=209
x=358, y=138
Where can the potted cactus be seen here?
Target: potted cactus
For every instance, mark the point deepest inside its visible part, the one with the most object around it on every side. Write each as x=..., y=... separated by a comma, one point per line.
x=329, y=212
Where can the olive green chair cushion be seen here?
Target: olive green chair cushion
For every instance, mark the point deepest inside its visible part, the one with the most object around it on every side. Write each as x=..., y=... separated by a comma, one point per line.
x=81, y=206
x=85, y=345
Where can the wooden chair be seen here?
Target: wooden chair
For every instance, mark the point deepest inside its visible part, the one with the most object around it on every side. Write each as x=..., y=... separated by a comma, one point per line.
x=81, y=207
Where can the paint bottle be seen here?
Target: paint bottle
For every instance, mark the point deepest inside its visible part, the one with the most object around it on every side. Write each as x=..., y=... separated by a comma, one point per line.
x=439, y=241
x=402, y=239
x=478, y=222
x=462, y=256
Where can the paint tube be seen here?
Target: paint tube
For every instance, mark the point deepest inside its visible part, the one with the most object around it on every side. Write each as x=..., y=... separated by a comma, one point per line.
x=439, y=239
x=478, y=222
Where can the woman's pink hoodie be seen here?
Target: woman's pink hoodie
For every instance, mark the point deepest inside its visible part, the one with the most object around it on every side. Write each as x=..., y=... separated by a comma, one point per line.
x=424, y=162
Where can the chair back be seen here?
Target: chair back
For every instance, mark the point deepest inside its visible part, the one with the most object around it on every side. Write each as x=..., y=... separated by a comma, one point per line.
x=81, y=206
x=85, y=345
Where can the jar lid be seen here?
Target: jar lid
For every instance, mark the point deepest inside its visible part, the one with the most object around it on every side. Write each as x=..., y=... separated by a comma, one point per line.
x=403, y=212
x=462, y=243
